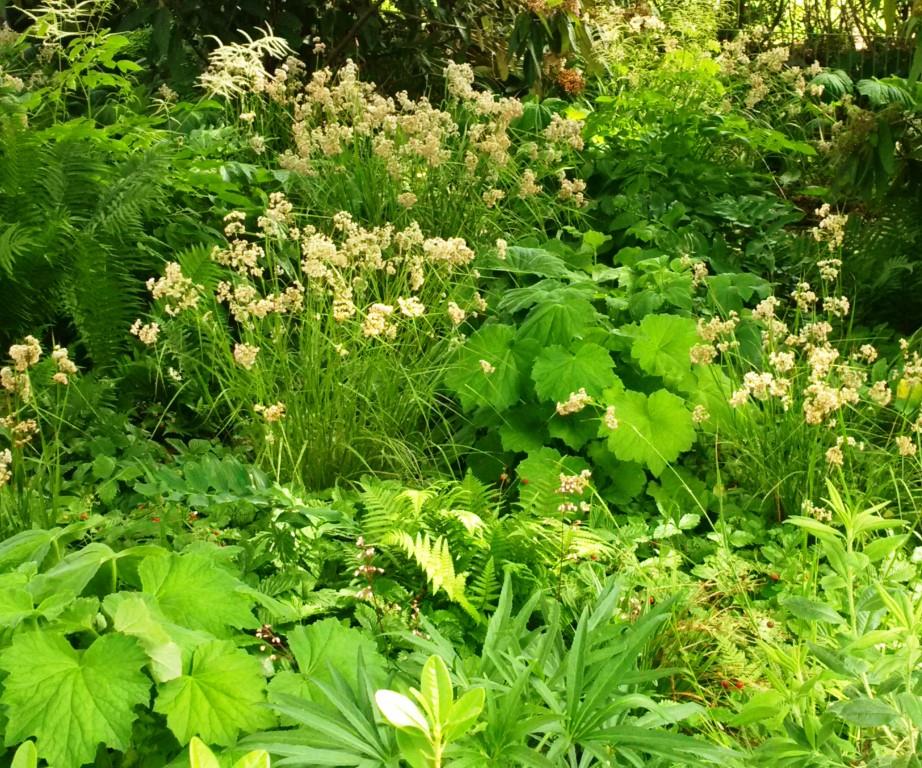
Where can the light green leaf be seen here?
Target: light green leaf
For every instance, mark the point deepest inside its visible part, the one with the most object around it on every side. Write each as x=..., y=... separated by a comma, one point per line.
x=818, y=529
x=662, y=344
x=71, y=576
x=26, y=756
x=652, y=430
x=539, y=477
x=415, y=748
x=812, y=610
x=329, y=643
x=557, y=322
x=134, y=614
x=70, y=700
x=258, y=758
x=865, y=712
x=436, y=688
x=200, y=756
x=475, y=383
x=400, y=711
x=558, y=372
x=15, y=600
x=220, y=695
x=464, y=713
x=193, y=591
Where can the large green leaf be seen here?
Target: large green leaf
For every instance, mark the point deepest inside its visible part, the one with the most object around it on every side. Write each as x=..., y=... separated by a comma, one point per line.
x=220, y=695
x=652, y=430
x=165, y=643
x=193, y=591
x=556, y=322
x=70, y=700
x=865, y=712
x=486, y=372
x=328, y=644
x=662, y=344
x=539, y=478
x=558, y=371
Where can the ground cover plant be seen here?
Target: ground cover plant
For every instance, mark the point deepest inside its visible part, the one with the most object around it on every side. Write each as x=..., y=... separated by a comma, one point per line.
x=549, y=398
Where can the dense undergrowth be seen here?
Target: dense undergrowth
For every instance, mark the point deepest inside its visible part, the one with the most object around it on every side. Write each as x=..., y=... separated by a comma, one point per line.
x=347, y=427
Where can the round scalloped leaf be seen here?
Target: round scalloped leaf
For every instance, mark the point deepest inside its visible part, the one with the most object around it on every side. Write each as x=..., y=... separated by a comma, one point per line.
x=475, y=383
x=652, y=430
x=558, y=372
x=662, y=344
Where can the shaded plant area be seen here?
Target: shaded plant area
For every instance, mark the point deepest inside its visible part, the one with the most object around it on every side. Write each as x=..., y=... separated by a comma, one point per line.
x=454, y=384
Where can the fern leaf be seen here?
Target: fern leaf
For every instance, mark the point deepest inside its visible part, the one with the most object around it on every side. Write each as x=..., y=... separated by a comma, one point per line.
x=434, y=559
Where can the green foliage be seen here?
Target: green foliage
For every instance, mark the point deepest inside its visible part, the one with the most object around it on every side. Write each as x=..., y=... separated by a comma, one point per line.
x=426, y=728
x=72, y=700
x=652, y=430
x=82, y=648
x=76, y=215
x=433, y=557
x=250, y=533
x=219, y=694
x=200, y=756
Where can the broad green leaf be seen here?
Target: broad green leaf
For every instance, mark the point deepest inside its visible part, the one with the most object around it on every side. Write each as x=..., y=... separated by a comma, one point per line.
x=103, y=467
x=652, y=430
x=464, y=713
x=26, y=756
x=559, y=372
x=258, y=758
x=200, y=756
x=72, y=575
x=15, y=600
x=662, y=344
x=884, y=546
x=530, y=261
x=557, y=322
x=486, y=372
x=539, y=477
x=329, y=643
x=70, y=700
x=415, y=748
x=135, y=615
x=523, y=429
x=221, y=694
x=865, y=712
x=436, y=689
x=400, y=711
x=193, y=591
x=812, y=610
x=575, y=430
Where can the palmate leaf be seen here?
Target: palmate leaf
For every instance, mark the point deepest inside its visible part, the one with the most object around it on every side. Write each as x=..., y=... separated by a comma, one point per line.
x=539, y=476
x=477, y=387
x=217, y=602
x=328, y=644
x=218, y=696
x=558, y=371
x=71, y=700
x=555, y=322
x=662, y=344
x=652, y=430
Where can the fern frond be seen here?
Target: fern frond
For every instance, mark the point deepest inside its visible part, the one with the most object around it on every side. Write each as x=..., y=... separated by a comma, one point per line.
x=485, y=587
x=434, y=559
